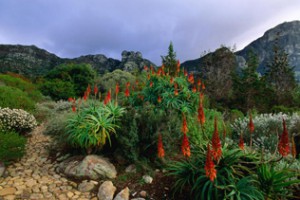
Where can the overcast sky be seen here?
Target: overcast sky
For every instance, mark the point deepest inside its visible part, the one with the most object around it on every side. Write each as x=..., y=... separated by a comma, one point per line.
x=70, y=28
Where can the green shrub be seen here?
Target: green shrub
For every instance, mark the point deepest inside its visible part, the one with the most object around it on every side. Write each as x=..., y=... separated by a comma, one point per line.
x=57, y=89
x=16, y=120
x=12, y=146
x=15, y=98
x=56, y=125
x=21, y=83
x=91, y=127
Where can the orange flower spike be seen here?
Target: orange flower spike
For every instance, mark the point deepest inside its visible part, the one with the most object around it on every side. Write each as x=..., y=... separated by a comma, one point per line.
x=117, y=89
x=171, y=80
x=73, y=108
x=251, y=124
x=283, y=145
x=148, y=76
x=178, y=66
x=294, y=151
x=127, y=84
x=159, y=99
x=199, y=82
x=191, y=79
x=185, y=147
x=127, y=92
x=108, y=96
x=85, y=96
x=201, y=115
x=95, y=90
x=146, y=68
x=151, y=84
x=185, y=73
x=209, y=168
x=194, y=89
x=184, y=127
x=160, y=147
x=70, y=99
x=241, y=142
x=175, y=89
x=216, y=143
x=203, y=86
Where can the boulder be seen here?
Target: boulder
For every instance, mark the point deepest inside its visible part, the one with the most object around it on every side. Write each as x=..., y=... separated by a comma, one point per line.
x=106, y=191
x=123, y=195
x=86, y=186
x=92, y=166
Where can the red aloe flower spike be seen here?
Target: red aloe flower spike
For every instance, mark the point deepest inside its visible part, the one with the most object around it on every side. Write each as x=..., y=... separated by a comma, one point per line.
x=185, y=147
x=194, y=90
x=160, y=147
x=199, y=82
x=241, y=142
x=185, y=73
x=209, y=168
x=216, y=143
x=251, y=124
x=191, y=79
x=74, y=108
x=70, y=99
x=201, y=115
x=145, y=68
x=175, y=89
x=283, y=145
x=148, y=76
x=127, y=84
x=95, y=90
x=159, y=99
x=184, y=127
x=127, y=93
x=117, y=89
x=178, y=66
x=108, y=96
x=203, y=86
x=151, y=84
x=171, y=80
x=294, y=151
x=85, y=96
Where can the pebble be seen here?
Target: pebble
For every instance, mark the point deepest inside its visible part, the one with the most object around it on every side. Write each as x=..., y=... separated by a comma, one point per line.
x=34, y=176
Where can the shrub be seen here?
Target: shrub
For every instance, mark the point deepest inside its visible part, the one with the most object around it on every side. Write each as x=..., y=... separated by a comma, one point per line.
x=267, y=129
x=23, y=84
x=16, y=120
x=91, y=127
x=15, y=98
x=12, y=146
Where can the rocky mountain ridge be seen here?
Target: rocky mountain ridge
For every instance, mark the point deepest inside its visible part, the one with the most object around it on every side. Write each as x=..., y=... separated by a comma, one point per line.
x=32, y=61
x=288, y=34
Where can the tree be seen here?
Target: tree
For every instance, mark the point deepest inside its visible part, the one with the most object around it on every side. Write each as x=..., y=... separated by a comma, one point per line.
x=169, y=61
x=66, y=80
x=217, y=71
x=250, y=90
x=280, y=75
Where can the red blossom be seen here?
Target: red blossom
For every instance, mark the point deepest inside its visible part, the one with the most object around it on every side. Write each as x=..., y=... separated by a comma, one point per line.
x=201, y=115
x=159, y=99
x=151, y=84
x=185, y=147
x=283, y=145
x=74, y=108
x=194, y=89
x=70, y=99
x=95, y=90
x=191, y=79
x=145, y=68
x=160, y=147
x=185, y=73
x=209, y=168
x=171, y=80
x=241, y=142
x=251, y=124
x=85, y=96
x=175, y=89
x=184, y=127
x=178, y=66
x=127, y=93
x=117, y=89
x=216, y=143
x=107, y=98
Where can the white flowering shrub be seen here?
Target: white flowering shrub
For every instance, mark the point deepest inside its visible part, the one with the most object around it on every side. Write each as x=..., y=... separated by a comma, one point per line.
x=16, y=120
x=268, y=127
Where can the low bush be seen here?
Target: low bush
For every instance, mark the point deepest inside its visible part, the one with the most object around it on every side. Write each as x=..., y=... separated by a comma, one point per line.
x=16, y=120
x=12, y=146
x=15, y=98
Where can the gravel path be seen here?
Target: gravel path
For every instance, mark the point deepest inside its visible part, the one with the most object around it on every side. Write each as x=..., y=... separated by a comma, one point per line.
x=34, y=176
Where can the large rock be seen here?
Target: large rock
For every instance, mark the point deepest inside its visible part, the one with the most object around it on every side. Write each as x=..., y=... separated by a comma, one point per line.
x=123, y=195
x=106, y=191
x=92, y=167
x=2, y=168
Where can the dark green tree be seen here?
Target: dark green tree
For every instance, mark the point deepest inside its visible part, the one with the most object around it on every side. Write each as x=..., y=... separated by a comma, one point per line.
x=170, y=61
x=250, y=90
x=280, y=75
x=67, y=80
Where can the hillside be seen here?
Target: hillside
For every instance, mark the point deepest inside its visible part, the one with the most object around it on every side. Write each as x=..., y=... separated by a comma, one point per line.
x=288, y=34
x=32, y=61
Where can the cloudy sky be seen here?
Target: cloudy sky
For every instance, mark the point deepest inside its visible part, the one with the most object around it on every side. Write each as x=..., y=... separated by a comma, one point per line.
x=70, y=28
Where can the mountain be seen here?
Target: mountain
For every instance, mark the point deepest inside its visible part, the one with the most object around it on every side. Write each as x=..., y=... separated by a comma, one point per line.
x=288, y=34
x=32, y=61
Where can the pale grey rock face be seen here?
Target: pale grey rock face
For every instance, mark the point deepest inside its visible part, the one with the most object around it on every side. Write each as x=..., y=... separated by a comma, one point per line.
x=123, y=195
x=106, y=191
x=92, y=166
